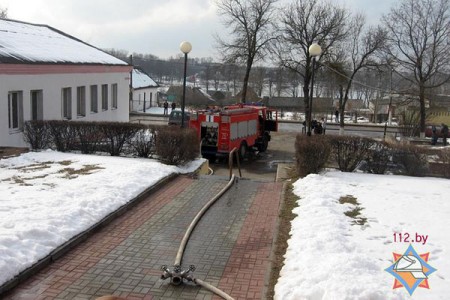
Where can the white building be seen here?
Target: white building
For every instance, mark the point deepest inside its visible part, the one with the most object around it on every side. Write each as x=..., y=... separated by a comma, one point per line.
x=145, y=91
x=46, y=74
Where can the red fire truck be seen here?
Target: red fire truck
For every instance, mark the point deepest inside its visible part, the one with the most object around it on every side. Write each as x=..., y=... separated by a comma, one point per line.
x=246, y=127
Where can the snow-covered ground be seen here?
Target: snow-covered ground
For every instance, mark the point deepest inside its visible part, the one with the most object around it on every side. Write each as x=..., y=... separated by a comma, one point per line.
x=329, y=258
x=48, y=197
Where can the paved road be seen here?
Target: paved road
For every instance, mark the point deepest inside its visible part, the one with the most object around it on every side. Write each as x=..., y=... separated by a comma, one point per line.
x=231, y=246
x=373, y=131
x=264, y=166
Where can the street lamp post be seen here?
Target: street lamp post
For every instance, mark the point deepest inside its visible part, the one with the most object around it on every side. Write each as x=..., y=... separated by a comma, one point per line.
x=185, y=47
x=314, y=51
x=389, y=116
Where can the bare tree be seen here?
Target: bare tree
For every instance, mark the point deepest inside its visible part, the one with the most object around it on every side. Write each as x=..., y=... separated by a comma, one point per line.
x=419, y=33
x=359, y=51
x=303, y=23
x=251, y=24
x=231, y=73
x=257, y=80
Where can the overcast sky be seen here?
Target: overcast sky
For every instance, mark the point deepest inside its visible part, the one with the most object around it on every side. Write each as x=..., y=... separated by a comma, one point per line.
x=146, y=26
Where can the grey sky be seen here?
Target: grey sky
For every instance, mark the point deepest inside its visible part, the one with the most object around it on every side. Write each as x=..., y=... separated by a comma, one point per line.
x=146, y=26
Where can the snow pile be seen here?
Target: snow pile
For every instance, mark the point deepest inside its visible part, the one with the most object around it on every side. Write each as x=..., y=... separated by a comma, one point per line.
x=329, y=258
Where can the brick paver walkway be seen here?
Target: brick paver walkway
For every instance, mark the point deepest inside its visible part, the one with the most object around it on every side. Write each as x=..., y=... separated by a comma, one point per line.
x=230, y=246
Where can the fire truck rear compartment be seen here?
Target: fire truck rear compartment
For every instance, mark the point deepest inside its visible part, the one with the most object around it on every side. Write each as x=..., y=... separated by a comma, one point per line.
x=209, y=139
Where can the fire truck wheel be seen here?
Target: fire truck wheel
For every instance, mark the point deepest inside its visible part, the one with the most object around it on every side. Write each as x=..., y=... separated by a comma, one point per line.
x=264, y=144
x=243, y=150
x=211, y=158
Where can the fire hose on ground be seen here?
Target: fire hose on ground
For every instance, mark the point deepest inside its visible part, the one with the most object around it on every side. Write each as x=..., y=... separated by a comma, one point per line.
x=177, y=274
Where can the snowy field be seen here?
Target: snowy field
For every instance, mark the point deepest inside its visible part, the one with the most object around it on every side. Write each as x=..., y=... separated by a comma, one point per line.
x=329, y=258
x=48, y=197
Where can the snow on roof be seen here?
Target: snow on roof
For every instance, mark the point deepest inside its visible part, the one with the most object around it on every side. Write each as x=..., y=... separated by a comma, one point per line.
x=32, y=43
x=142, y=80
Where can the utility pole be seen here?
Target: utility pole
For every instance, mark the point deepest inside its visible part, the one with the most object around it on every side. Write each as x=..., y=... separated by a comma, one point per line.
x=131, y=84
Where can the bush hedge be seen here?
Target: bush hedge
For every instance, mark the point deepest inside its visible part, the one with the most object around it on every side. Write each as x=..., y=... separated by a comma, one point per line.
x=175, y=146
x=410, y=160
x=311, y=153
x=115, y=138
x=350, y=153
x=37, y=135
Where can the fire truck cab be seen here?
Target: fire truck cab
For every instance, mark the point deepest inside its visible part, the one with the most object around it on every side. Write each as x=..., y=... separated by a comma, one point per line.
x=246, y=127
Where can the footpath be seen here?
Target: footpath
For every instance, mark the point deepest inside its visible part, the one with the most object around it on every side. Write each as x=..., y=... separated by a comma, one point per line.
x=231, y=247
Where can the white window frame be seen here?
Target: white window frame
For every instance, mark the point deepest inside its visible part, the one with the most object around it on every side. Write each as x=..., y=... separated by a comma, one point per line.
x=36, y=105
x=104, y=97
x=114, y=95
x=81, y=101
x=66, y=103
x=15, y=111
x=94, y=98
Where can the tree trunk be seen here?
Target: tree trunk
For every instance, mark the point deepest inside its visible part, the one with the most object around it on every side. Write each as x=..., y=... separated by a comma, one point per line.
x=341, y=110
x=422, y=109
x=245, y=83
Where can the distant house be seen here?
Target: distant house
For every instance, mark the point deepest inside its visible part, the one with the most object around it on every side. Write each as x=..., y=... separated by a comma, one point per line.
x=144, y=90
x=286, y=103
x=46, y=74
x=439, y=111
x=385, y=108
x=250, y=97
x=222, y=98
x=195, y=97
x=297, y=104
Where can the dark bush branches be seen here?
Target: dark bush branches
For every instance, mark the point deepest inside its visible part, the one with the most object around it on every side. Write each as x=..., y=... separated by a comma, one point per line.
x=171, y=145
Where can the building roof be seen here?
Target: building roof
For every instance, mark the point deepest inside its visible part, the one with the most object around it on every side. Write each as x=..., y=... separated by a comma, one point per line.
x=286, y=102
x=194, y=96
x=25, y=43
x=142, y=80
x=251, y=96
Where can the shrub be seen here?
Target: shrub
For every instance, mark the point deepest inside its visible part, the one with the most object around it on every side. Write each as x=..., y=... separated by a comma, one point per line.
x=143, y=142
x=37, y=135
x=88, y=136
x=311, y=153
x=116, y=134
x=379, y=158
x=176, y=146
x=349, y=151
x=410, y=160
x=444, y=157
x=62, y=134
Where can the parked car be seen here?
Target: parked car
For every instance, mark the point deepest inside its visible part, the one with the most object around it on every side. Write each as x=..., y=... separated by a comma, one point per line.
x=175, y=118
x=428, y=132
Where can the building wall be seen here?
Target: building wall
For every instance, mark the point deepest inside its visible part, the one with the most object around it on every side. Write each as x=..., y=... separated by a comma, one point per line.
x=139, y=95
x=51, y=86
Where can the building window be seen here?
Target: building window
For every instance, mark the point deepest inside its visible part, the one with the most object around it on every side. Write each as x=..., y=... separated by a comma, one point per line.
x=81, y=101
x=15, y=111
x=37, y=105
x=104, y=97
x=151, y=99
x=94, y=99
x=67, y=103
x=114, y=95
